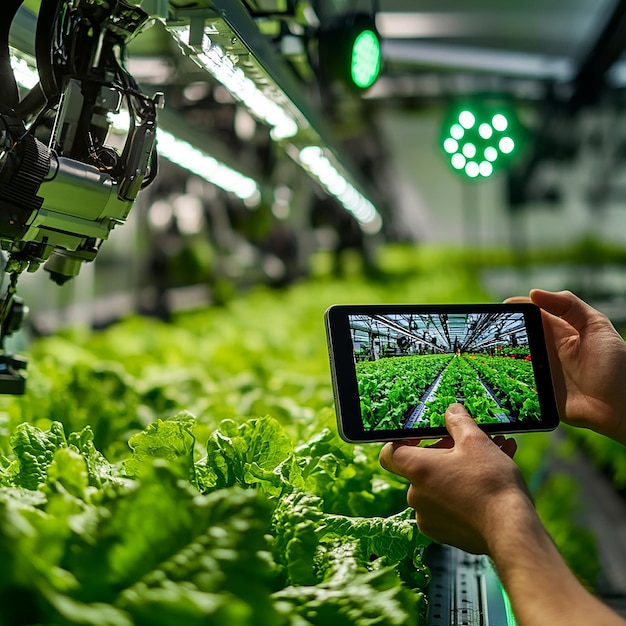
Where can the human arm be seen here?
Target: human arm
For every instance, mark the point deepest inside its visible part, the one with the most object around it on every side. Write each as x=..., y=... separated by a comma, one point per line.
x=467, y=491
x=588, y=362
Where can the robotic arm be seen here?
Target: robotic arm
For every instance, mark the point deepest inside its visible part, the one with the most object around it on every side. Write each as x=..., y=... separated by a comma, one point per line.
x=62, y=189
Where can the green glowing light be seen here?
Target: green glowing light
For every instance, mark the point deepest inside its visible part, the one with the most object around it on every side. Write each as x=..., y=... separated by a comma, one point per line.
x=485, y=130
x=450, y=145
x=457, y=131
x=458, y=161
x=472, y=169
x=467, y=119
x=491, y=154
x=508, y=609
x=500, y=122
x=480, y=137
x=469, y=150
x=366, y=59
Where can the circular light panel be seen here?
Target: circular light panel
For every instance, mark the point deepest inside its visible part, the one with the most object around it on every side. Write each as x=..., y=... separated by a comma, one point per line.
x=366, y=59
x=480, y=138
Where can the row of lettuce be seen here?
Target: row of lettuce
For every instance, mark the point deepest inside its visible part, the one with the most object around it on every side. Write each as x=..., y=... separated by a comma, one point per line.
x=493, y=389
x=191, y=472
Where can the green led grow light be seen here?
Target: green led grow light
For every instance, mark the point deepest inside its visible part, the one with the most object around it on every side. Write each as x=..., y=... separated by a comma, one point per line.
x=350, y=51
x=366, y=58
x=480, y=137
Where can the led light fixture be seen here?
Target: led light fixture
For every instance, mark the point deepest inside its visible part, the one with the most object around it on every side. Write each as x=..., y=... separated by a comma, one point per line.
x=212, y=57
x=350, y=50
x=313, y=159
x=480, y=137
x=318, y=162
x=365, y=59
x=221, y=37
x=207, y=167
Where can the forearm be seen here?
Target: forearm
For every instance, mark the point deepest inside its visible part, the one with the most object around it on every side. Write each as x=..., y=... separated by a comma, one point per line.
x=542, y=589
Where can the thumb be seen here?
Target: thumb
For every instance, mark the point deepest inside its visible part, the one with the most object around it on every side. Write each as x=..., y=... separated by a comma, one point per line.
x=566, y=305
x=459, y=423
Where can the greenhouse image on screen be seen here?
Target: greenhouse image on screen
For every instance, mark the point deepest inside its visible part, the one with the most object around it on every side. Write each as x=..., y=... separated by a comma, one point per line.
x=411, y=367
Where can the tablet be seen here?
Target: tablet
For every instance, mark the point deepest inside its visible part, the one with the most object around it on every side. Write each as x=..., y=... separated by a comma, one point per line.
x=396, y=368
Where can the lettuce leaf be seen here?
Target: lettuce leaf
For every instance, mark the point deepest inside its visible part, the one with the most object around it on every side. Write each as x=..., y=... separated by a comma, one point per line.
x=34, y=450
x=301, y=526
x=222, y=575
x=247, y=455
x=171, y=440
x=366, y=599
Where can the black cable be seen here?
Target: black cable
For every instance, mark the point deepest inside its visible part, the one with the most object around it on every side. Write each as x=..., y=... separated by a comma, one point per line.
x=46, y=46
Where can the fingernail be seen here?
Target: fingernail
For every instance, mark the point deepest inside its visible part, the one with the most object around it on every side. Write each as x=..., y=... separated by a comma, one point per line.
x=457, y=409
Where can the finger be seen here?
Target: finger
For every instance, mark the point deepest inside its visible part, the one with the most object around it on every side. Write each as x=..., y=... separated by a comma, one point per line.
x=460, y=423
x=509, y=447
x=389, y=454
x=401, y=459
x=565, y=305
x=517, y=300
x=385, y=455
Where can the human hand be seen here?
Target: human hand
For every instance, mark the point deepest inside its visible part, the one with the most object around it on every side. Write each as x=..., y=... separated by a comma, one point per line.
x=588, y=362
x=465, y=488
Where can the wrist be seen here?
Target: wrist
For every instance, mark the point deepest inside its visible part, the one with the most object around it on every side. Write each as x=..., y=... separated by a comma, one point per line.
x=540, y=586
x=525, y=555
x=511, y=525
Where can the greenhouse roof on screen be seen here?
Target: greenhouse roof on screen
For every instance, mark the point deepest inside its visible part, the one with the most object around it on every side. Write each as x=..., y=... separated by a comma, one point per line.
x=446, y=332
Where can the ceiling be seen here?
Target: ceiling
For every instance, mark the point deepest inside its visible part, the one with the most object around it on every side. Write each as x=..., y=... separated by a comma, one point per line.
x=553, y=28
x=545, y=40
x=428, y=45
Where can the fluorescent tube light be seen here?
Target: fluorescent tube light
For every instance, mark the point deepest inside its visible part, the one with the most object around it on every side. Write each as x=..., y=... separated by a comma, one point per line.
x=216, y=61
x=207, y=167
x=312, y=158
